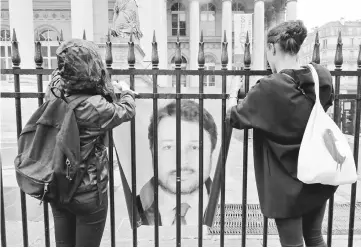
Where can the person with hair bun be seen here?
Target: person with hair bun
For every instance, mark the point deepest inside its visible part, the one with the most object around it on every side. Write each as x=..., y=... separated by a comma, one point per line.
x=278, y=108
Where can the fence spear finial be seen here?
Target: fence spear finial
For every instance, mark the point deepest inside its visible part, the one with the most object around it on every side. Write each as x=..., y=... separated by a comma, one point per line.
x=201, y=58
x=247, y=53
x=316, y=50
x=178, y=53
x=15, y=55
x=359, y=58
x=14, y=35
x=224, y=56
x=155, y=57
x=61, y=39
x=38, y=58
x=131, y=54
x=339, y=56
x=108, y=51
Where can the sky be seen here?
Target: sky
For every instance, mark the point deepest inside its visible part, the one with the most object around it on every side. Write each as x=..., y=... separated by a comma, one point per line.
x=318, y=12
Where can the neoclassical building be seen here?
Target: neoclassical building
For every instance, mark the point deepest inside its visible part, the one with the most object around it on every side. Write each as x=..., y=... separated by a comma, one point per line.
x=328, y=36
x=214, y=17
x=351, y=40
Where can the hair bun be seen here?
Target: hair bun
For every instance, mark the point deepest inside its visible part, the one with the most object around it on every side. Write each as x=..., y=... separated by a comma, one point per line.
x=290, y=35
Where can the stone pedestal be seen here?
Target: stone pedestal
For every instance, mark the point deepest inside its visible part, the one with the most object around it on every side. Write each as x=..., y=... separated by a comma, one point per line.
x=120, y=49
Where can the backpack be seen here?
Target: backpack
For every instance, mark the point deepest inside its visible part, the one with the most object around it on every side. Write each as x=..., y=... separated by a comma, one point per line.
x=48, y=165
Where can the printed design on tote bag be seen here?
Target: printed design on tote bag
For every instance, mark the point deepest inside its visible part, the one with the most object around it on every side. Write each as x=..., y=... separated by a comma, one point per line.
x=330, y=142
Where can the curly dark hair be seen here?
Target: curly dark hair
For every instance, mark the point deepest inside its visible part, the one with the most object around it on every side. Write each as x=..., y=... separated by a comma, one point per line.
x=81, y=69
x=189, y=112
x=289, y=35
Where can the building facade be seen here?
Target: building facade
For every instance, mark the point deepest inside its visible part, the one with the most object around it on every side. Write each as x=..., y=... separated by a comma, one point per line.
x=351, y=40
x=215, y=18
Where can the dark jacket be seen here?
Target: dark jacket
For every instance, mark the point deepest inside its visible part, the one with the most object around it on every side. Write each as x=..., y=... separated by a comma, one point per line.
x=278, y=111
x=146, y=208
x=95, y=116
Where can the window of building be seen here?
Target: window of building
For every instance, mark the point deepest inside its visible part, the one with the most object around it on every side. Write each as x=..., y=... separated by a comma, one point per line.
x=210, y=64
x=208, y=19
x=48, y=35
x=5, y=35
x=324, y=43
x=237, y=7
x=5, y=52
x=49, y=45
x=352, y=54
x=178, y=19
x=183, y=77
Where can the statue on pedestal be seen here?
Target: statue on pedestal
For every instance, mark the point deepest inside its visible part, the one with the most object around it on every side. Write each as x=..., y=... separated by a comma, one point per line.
x=126, y=20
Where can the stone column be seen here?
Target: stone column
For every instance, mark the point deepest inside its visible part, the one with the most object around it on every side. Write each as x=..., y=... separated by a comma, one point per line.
x=291, y=8
x=101, y=21
x=21, y=19
x=194, y=38
x=159, y=18
x=82, y=19
x=227, y=26
x=258, y=36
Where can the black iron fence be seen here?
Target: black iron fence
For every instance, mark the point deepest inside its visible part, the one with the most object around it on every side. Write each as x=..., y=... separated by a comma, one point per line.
x=247, y=73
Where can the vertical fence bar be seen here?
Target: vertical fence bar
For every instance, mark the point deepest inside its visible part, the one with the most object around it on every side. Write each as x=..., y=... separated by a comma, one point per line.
x=201, y=62
x=3, y=224
x=224, y=62
x=109, y=62
x=155, y=63
x=338, y=65
x=265, y=219
x=247, y=62
x=38, y=58
x=355, y=152
x=178, y=62
x=15, y=56
x=131, y=63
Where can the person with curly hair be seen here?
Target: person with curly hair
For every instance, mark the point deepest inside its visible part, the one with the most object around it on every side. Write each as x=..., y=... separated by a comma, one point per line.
x=81, y=71
x=278, y=108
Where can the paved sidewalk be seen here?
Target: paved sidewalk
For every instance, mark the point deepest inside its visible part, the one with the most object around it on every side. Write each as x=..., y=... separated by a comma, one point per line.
x=146, y=234
x=122, y=228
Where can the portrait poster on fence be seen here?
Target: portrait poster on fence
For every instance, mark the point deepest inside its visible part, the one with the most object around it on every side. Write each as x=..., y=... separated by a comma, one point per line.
x=166, y=123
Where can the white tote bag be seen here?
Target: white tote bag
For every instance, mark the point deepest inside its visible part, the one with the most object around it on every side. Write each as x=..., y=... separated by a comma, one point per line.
x=325, y=156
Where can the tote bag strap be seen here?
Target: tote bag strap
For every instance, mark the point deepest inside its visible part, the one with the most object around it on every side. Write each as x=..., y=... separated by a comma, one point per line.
x=317, y=83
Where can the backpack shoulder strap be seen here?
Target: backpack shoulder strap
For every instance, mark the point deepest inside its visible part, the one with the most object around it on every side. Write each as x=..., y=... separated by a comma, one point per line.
x=75, y=100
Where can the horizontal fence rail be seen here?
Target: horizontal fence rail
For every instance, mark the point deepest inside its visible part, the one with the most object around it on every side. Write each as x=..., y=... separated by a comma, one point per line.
x=226, y=132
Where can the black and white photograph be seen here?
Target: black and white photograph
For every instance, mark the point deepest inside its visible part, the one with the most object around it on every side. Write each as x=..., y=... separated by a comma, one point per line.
x=191, y=123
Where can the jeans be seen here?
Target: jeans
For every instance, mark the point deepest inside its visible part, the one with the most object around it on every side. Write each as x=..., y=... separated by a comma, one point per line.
x=82, y=221
x=292, y=231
